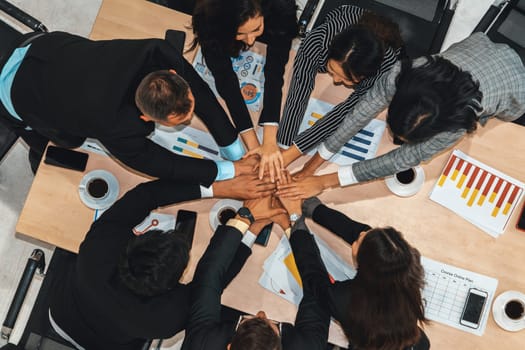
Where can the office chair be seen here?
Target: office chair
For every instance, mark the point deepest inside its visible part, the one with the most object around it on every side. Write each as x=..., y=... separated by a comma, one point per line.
x=504, y=22
x=9, y=36
x=38, y=333
x=423, y=23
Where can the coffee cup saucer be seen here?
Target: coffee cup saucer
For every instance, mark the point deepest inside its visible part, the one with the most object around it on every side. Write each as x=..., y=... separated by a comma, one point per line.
x=110, y=197
x=406, y=190
x=218, y=207
x=498, y=311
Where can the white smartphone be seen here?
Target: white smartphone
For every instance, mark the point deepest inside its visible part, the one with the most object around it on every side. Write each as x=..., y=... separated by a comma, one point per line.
x=473, y=308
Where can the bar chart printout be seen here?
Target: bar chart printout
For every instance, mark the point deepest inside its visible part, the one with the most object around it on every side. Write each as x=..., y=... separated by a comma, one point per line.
x=446, y=290
x=482, y=195
x=187, y=141
x=360, y=147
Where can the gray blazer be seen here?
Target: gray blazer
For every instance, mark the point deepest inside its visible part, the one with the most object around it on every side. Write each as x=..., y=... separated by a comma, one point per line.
x=501, y=77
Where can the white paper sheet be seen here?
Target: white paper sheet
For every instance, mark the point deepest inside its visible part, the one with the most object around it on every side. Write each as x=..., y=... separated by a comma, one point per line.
x=446, y=291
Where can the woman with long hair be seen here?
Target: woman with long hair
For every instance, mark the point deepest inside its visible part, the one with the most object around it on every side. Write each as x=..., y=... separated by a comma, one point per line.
x=382, y=307
x=434, y=102
x=355, y=47
x=224, y=29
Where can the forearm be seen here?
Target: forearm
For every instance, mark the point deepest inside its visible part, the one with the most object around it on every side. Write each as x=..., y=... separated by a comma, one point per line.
x=338, y=223
x=301, y=86
x=291, y=154
x=227, y=84
x=404, y=157
x=249, y=137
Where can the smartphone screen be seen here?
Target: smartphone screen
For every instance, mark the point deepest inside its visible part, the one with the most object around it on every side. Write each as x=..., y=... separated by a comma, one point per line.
x=264, y=236
x=473, y=308
x=66, y=158
x=185, y=225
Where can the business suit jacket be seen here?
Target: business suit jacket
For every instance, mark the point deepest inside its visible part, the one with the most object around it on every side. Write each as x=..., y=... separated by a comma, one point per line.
x=310, y=331
x=501, y=77
x=92, y=305
x=69, y=88
x=206, y=329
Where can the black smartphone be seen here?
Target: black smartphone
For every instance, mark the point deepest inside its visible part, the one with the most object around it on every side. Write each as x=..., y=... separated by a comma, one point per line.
x=520, y=225
x=473, y=308
x=185, y=225
x=66, y=158
x=264, y=235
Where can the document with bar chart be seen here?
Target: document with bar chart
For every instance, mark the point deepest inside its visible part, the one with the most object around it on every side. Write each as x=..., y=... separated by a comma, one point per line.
x=187, y=141
x=360, y=147
x=482, y=195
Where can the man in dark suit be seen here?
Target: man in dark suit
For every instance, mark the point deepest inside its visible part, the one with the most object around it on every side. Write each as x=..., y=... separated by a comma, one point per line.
x=64, y=88
x=208, y=329
x=122, y=289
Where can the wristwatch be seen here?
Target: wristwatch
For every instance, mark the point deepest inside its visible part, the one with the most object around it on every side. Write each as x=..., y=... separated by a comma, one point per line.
x=246, y=213
x=294, y=217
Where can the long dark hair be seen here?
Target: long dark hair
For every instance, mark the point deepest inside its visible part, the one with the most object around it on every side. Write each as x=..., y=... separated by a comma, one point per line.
x=215, y=23
x=386, y=304
x=432, y=98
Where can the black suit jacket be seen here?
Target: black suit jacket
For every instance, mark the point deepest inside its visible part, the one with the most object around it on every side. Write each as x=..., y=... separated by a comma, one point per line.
x=206, y=329
x=91, y=304
x=69, y=88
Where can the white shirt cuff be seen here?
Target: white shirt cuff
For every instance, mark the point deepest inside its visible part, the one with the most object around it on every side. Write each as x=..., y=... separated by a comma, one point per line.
x=207, y=192
x=346, y=176
x=249, y=239
x=269, y=123
x=324, y=152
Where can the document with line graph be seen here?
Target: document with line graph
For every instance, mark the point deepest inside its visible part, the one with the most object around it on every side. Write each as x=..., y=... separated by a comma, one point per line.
x=482, y=195
x=360, y=147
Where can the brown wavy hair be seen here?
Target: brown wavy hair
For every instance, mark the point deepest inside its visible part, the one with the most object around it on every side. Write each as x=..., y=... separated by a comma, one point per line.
x=386, y=305
x=386, y=30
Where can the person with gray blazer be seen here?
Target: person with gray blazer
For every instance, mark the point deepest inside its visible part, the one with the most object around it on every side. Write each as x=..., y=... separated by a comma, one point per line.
x=432, y=103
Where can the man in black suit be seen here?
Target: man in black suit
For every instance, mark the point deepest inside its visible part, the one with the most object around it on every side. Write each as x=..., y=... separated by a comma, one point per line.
x=208, y=329
x=64, y=88
x=122, y=289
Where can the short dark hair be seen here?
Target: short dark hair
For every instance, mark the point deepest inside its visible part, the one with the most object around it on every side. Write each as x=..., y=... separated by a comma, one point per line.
x=431, y=98
x=358, y=50
x=152, y=263
x=386, y=303
x=162, y=93
x=255, y=334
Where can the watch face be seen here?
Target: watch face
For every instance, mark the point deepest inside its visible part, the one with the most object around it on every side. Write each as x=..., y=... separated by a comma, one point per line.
x=245, y=213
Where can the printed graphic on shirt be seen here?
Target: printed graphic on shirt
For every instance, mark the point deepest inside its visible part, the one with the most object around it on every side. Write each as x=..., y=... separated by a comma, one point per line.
x=249, y=67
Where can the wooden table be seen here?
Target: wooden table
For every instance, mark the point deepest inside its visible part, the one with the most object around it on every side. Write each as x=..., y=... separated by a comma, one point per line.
x=53, y=212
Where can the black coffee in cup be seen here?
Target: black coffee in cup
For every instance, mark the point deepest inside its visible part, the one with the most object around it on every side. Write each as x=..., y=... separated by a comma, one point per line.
x=226, y=214
x=97, y=188
x=406, y=177
x=514, y=309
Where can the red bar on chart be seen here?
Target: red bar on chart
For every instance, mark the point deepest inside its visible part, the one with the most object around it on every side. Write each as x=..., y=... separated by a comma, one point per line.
x=443, y=176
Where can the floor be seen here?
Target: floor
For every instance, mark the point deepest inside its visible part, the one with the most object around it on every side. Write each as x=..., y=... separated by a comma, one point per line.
x=77, y=16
